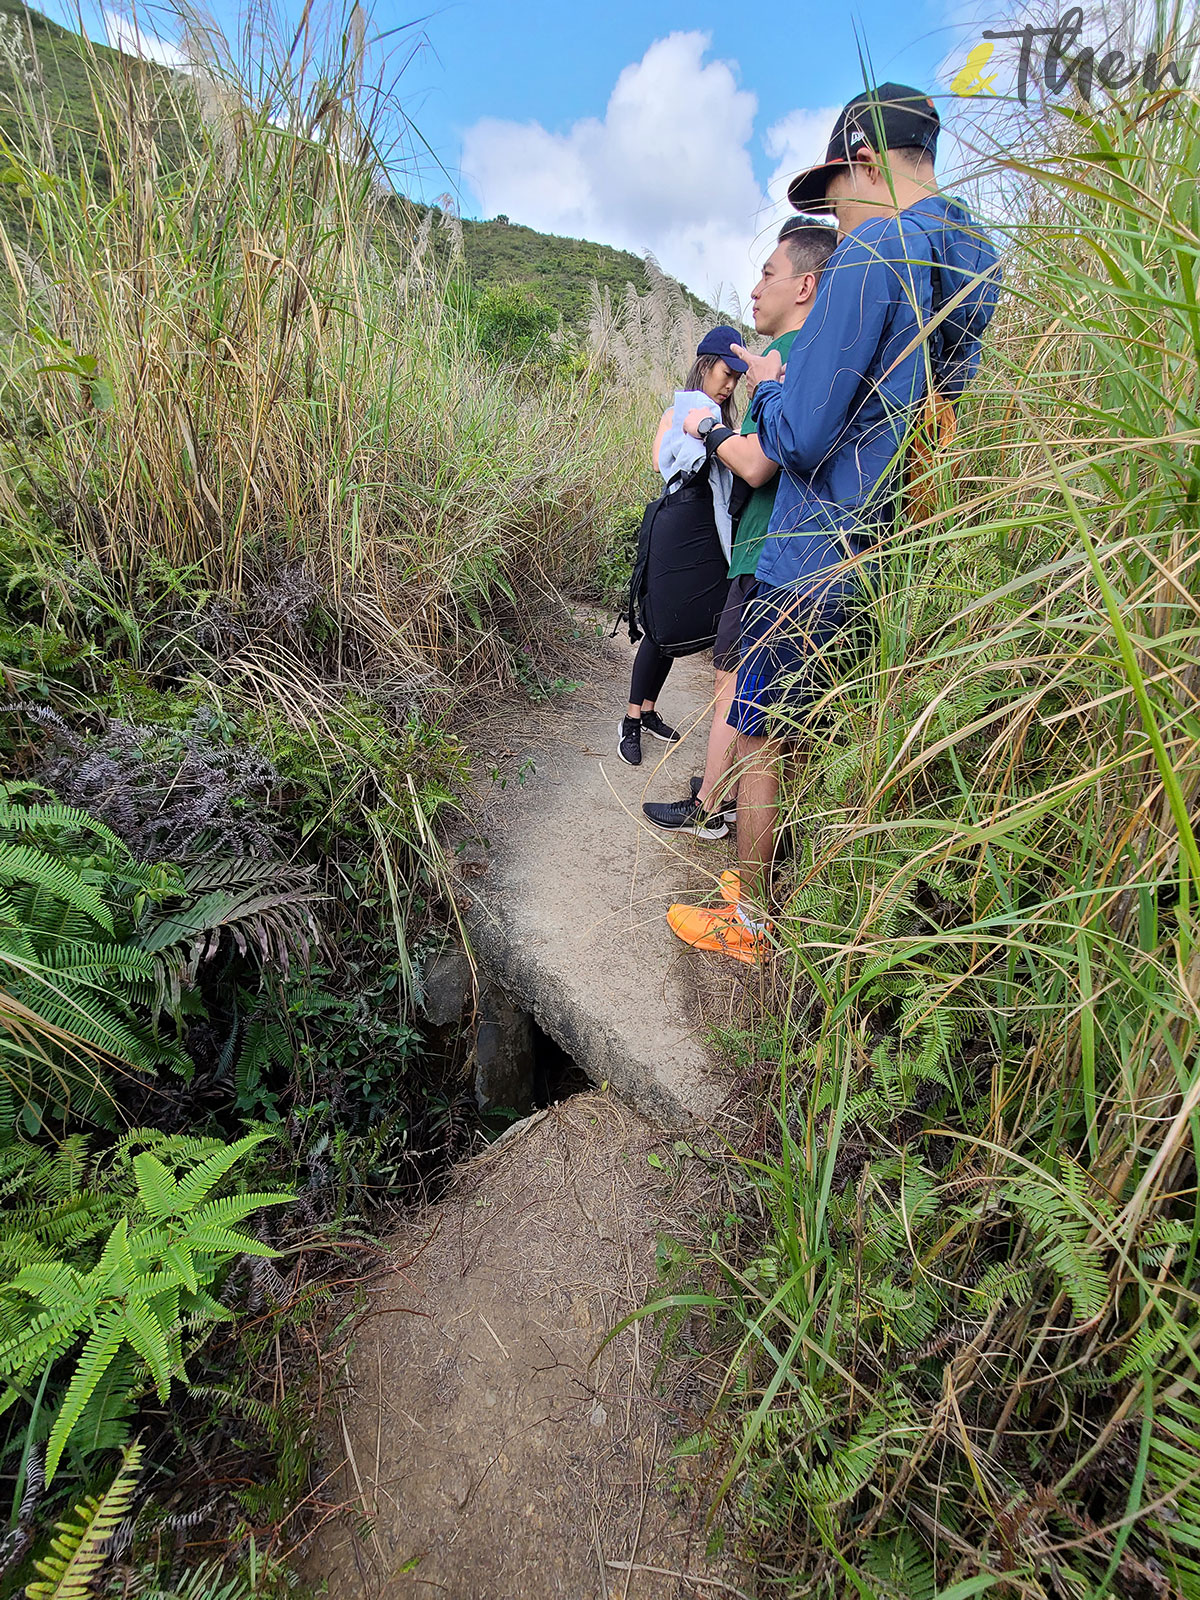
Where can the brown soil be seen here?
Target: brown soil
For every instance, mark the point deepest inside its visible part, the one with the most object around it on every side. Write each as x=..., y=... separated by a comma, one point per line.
x=487, y=1447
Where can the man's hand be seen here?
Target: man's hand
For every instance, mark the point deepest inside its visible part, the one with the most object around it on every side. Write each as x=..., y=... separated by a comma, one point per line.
x=759, y=369
x=691, y=423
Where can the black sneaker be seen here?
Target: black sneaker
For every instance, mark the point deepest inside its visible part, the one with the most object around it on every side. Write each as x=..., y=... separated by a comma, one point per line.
x=728, y=810
x=629, y=740
x=654, y=724
x=685, y=816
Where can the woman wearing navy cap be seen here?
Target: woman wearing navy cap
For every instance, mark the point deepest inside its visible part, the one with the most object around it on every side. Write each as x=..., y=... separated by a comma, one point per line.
x=712, y=379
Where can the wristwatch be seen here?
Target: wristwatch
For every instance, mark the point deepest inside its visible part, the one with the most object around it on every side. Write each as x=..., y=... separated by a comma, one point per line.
x=705, y=426
x=716, y=436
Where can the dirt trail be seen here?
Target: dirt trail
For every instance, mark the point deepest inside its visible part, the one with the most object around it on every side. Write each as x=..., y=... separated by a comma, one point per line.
x=489, y=1449
x=494, y=1456
x=569, y=914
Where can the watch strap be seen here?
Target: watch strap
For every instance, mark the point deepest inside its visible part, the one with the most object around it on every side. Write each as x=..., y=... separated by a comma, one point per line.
x=717, y=436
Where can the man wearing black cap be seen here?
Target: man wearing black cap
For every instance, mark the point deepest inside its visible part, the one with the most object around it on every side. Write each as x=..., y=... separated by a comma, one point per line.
x=864, y=363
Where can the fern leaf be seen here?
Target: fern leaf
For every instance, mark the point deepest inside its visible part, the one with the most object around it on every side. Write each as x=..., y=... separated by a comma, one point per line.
x=116, y=1259
x=23, y=864
x=49, y=1281
x=157, y=1189
x=201, y=1308
x=196, y=1185
x=225, y=1242
x=97, y=1356
x=235, y=1208
x=231, y=872
x=178, y=1257
x=202, y=921
x=57, y=819
x=79, y=1547
x=104, y=1422
x=43, y=1338
x=150, y=1339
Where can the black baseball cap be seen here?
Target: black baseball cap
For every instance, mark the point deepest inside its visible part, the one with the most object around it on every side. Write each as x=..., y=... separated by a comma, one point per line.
x=890, y=117
x=719, y=342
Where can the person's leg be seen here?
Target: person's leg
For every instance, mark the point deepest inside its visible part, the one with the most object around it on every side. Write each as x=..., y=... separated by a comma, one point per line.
x=650, y=669
x=721, y=738
x=804, y=629
x=770, y=659
x=787, y=642
x=727, y=655
x=738, y=929
x=700, y=810
x=758, y=816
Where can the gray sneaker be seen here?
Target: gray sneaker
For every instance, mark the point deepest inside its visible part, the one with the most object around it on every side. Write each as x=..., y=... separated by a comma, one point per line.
x=685, y=816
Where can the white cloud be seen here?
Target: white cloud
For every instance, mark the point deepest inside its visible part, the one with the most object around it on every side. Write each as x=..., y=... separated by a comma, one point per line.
x=796, y=141
x=667, y=168
x=124, y=34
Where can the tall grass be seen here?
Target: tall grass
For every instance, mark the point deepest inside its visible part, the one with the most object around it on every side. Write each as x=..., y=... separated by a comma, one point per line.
x=967, y=1335
x=232, y=353
x=269, y=487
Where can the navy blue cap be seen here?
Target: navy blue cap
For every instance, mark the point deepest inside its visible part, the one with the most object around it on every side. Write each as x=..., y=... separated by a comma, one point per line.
x=890, y=117
x=719, y=342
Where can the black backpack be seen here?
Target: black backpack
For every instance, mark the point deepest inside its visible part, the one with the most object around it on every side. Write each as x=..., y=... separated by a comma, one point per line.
x=681, y=576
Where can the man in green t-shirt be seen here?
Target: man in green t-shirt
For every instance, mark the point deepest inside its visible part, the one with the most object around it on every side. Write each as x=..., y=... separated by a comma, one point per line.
x=781, y=301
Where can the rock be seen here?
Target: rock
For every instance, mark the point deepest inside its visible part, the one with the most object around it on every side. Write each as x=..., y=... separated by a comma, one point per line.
x=503, y=1054
x=472, y=860
x=449, y=988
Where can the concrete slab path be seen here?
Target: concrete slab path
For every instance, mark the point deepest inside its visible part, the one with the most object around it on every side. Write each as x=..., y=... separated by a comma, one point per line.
x=569, y=916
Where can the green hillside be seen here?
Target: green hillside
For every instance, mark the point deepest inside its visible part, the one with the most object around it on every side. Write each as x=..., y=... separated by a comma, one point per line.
x=558, y=271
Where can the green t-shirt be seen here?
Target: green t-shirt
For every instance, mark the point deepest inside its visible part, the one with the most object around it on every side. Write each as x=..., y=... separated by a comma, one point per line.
x=755, y=519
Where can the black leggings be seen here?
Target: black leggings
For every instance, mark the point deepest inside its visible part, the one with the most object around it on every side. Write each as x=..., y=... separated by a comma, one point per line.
x=650, y=668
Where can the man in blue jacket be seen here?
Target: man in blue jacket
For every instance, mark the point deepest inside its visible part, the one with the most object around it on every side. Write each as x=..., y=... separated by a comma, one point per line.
x=837, y=422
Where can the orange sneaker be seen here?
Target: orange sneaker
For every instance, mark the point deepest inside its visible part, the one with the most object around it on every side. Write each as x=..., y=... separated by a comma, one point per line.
x=721, y=931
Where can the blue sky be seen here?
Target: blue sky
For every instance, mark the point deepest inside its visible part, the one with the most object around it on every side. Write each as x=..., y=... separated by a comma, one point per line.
x=554, y=61
x=645, y=125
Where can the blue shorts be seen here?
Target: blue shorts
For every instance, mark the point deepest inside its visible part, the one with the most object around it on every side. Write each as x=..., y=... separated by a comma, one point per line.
x=789, y=636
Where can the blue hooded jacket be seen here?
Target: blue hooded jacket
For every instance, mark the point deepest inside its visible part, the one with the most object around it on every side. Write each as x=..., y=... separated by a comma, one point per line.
x=856, y=371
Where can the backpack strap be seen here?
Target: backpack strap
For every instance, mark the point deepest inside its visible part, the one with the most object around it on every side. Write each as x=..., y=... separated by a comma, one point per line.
x=936, y=303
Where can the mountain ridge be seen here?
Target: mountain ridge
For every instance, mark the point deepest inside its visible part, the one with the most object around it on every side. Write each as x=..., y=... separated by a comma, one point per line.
x=556, y=269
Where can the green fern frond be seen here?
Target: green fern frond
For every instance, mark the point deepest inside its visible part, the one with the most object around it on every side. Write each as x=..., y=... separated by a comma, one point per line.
x=78, y=1549
x=56, y=819
x=224, y=1241
x=1058, y=1216
x=851, y=1464
x=104, y=1422
x=198, y=1183
x=95, y=1360
x=35, y=869
x=202, y=1308
x=232, y=1209
x=157, y=1189
x=901, y=1566
x=175, y=1147
x=148, y=1335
